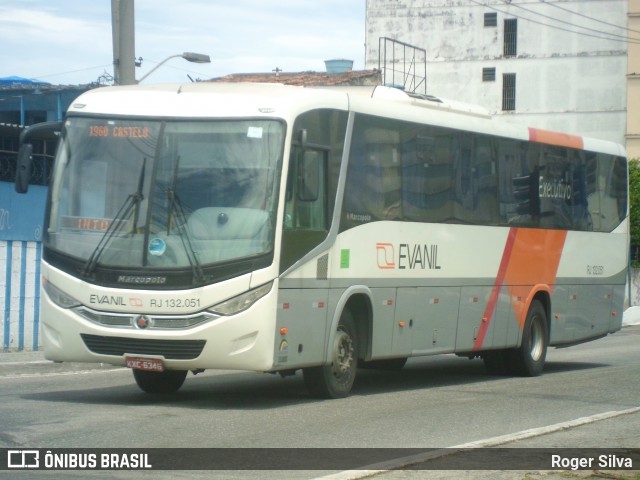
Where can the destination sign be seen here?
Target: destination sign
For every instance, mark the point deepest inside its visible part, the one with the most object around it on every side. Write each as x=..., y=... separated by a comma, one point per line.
x=91, y=224
x=118, y=131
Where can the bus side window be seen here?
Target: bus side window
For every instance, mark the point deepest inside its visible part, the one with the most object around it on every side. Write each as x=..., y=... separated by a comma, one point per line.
x=416, y=157
x=611, y=191
x=475, y=190
x=519, y=174
x=373, y=190
x=439, y=181
x=429, y=157
x=582, y=219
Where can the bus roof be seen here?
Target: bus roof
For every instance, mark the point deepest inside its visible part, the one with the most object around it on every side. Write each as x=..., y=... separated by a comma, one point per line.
x=200, y=99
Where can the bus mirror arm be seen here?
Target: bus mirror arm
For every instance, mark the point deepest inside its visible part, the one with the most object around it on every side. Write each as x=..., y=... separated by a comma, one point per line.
x=303, y=138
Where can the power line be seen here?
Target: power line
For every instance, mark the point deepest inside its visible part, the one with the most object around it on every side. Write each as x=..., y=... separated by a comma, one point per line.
x=588, y=17
x=555, y=26
x=74, y=71
x=575, y=25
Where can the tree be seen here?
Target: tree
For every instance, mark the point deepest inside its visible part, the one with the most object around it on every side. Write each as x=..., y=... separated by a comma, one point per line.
x=634, y=208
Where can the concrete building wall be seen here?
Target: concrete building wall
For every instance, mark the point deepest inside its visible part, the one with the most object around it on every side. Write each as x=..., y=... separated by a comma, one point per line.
x=564, y=81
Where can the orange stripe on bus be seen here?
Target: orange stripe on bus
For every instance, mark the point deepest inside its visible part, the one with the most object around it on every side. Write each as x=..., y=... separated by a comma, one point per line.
x=555, y=138
x=490, y=309
x=531, y=257
x=534, y=261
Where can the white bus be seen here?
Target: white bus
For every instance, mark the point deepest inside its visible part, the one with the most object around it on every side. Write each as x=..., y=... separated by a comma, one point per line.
x=275, y=228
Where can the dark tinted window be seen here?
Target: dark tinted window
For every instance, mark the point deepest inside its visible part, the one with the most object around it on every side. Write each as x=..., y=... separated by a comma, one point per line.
x=421, y=173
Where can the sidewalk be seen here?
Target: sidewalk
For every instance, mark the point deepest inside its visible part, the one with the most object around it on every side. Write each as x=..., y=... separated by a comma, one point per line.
x=26, y=363
x=631, y=316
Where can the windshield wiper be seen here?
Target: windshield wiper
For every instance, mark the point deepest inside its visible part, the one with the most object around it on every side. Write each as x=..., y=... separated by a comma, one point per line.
x=132, y=202
x=176, y=205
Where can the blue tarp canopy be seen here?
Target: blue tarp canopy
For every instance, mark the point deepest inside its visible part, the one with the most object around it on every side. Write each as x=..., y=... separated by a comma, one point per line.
x=18, y=81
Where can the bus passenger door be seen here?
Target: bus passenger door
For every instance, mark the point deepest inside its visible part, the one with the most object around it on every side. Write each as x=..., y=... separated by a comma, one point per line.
x=306, y=221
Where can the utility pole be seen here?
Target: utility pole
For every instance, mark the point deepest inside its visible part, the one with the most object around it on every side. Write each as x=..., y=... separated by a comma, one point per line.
x=123, y=34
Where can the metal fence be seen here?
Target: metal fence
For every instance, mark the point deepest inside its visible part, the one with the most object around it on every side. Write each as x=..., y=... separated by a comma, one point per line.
x=21, y=219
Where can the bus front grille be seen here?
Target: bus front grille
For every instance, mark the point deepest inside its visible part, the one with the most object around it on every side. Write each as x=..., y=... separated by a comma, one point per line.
x=169, y=349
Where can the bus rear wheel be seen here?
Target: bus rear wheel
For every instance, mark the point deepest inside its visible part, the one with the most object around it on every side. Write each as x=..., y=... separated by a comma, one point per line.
x=336, y=379
x=528, y=359
x=168, y=381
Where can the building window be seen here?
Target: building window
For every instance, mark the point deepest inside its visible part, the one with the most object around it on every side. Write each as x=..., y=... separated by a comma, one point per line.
x=491, y=19
x=511, y=37
x=508, y=91
x=488, y=74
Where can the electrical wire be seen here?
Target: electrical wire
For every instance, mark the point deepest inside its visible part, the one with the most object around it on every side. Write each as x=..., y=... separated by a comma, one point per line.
x=555, y=5
x=634, y=41
x=573, y=24
x=73, y=71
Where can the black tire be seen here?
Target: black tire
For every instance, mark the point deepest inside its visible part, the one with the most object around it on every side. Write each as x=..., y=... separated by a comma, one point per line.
x=528, y=359
x=393, y=364
x=336, y=379
x=168, y=381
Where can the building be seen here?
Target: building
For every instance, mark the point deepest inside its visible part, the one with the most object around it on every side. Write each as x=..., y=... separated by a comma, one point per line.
x=22, y=103
x=633, y=83
x=557, y=64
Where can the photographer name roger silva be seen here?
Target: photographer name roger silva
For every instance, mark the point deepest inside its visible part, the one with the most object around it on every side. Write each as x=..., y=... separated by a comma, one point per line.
x=609, y=461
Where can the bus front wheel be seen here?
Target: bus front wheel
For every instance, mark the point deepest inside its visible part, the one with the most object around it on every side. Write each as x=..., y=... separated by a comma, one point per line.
x=168, y=381
x=335, y=379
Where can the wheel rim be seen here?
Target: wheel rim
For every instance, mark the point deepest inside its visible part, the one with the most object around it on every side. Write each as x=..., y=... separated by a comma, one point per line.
x=343, y=359
x=536, y=339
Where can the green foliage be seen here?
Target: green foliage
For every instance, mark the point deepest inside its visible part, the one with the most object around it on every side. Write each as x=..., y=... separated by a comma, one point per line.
x=634, y=202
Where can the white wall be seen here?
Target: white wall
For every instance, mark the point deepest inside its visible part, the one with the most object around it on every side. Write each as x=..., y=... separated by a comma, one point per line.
x=565, y=81
x=19, y=295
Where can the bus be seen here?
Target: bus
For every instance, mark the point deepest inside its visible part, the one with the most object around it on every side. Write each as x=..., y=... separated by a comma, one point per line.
x=277, y=228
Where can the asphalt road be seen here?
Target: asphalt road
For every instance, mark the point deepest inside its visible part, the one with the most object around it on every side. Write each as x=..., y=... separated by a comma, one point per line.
x=587, y=398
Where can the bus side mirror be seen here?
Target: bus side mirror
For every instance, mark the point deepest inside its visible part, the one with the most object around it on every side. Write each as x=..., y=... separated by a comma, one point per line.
x=303, y=137
x=23, y=167
x=25, y=154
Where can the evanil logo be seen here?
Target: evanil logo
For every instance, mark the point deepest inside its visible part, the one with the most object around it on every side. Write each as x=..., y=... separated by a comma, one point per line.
x=410, y=256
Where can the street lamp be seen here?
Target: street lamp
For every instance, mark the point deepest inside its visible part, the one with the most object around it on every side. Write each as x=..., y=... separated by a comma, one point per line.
x=188, y=56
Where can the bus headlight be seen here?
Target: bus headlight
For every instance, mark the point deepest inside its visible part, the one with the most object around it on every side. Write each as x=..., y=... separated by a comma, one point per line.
x=241, y=302
x=57, y=296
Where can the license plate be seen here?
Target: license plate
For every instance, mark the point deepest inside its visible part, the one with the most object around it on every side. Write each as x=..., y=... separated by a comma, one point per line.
x=148, y=364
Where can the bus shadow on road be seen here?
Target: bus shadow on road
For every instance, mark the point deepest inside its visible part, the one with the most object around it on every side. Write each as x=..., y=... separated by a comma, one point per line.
x=559, y=367
x=446, y=371
x=256, y=391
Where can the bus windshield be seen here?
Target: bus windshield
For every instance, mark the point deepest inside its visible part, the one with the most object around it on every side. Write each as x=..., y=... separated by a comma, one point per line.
x=163, y=195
